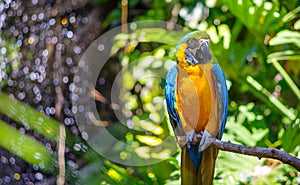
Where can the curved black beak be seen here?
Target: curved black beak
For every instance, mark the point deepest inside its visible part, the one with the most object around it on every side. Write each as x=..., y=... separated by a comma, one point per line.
x=198, y=53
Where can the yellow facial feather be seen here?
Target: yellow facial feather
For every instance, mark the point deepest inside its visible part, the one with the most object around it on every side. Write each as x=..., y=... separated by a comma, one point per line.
x=180, y=55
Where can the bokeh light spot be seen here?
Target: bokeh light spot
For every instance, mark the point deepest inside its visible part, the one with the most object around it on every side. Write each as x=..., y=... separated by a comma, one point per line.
x=69, y=34
x=48, y=129
x=64, y=21
x=17, y=176
x=30, y=40
x=72, y=19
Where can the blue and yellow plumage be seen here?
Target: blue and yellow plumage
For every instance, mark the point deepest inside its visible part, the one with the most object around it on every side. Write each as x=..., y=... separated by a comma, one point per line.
x=197, y=98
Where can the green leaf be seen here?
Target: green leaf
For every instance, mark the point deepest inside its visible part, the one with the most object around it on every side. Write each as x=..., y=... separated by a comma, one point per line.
x=258, y=18
x=285, y=55
x=277, y=175
x=29, y=117
x=242, y=134
x=268, y=98
x=258, y=134
x=291, y=138
x=25, y=147
x=286, y=37
x=232, y=168
x=286, y=77
x=291, y=15
x=297, y=25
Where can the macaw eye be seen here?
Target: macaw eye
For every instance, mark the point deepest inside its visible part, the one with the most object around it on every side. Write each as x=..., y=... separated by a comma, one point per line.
x=193, y=43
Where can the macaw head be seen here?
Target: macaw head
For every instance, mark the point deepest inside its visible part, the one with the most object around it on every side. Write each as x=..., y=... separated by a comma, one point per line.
x=193, y=49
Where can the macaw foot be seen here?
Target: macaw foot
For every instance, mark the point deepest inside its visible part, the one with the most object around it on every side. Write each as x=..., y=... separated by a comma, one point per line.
x=205, y=141
x=189, y=138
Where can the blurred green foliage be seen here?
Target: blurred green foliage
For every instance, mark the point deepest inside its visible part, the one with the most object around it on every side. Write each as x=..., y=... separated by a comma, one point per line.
x=257, y=46
x=9, y=60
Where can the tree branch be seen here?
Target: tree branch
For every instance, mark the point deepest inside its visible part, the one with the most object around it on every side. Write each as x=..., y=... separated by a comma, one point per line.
x=247, y=150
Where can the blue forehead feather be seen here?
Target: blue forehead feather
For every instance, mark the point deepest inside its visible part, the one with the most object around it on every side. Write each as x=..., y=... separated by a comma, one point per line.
x=193, y=34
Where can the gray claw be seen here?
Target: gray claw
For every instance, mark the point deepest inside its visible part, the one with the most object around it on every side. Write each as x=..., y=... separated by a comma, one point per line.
x=205, y=141
x=189, y=138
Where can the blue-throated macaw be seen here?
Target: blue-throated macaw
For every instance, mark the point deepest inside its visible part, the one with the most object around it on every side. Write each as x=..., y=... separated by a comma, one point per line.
x=197, y=99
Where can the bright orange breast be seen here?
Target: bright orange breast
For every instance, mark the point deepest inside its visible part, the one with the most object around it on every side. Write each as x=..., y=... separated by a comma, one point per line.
x=194, y=98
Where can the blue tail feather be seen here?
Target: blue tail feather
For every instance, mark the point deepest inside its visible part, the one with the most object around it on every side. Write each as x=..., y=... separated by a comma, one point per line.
x=195, y=155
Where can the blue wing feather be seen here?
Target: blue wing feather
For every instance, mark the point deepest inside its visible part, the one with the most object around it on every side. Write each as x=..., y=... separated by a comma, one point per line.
x=170, y=94
x=220, y=82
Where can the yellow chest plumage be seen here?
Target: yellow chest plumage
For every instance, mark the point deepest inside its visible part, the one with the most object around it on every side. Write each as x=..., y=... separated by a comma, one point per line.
x=194, y=99
x=197, y=103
